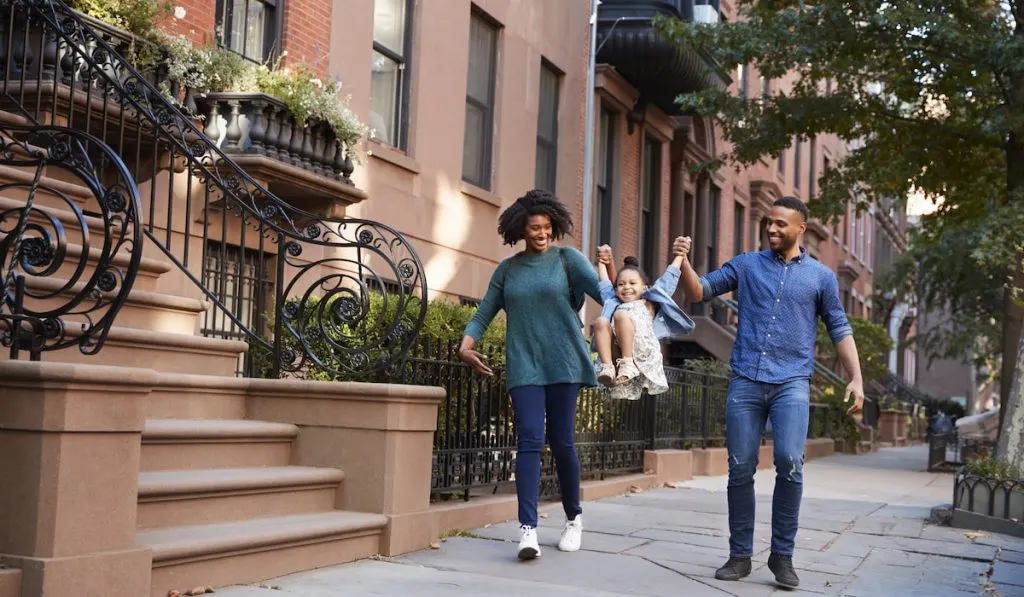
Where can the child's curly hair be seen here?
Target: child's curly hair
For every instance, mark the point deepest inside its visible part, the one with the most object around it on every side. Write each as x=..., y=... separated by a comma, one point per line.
x=538, y=202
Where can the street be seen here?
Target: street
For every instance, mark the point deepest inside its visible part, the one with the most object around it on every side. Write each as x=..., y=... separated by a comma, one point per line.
x=864, y=532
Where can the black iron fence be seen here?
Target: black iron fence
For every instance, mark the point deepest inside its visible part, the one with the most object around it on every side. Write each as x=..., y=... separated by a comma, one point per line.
x=475, y=445
x=988, y=496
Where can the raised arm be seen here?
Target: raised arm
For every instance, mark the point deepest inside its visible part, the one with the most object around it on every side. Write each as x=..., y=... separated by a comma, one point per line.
x=584, y=278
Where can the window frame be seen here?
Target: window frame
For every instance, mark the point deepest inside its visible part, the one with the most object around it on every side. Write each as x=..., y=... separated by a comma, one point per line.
x=547, y=67
x=400, y=111
x=271, y=39
x=606, y=189
x=485, y=180
x=650, y=189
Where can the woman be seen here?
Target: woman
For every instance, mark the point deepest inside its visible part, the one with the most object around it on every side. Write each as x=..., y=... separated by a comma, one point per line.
x=547, y=361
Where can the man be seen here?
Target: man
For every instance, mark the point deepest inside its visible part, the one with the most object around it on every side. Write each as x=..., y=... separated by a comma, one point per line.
x=781, y=294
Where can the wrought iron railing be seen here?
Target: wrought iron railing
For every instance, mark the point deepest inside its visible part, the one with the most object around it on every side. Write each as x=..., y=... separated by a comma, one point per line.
x=987, y=496
x=67, y=263
x=328, y=275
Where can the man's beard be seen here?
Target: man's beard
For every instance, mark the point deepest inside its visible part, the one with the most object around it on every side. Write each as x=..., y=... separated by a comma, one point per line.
x=786, y=243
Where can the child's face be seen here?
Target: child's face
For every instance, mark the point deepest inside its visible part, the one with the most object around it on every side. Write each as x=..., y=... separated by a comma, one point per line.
x=629, y=286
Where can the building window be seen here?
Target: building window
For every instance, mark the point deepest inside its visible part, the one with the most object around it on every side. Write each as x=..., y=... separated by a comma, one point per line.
x=738, y=226
x=606, y=153
x=241, y=280
x=547, y=128
x=781, y=163
x=742, y=80
x=251, y=28
x=796, y=163
x=852, y=241
x=650, y=205
x=812, y=182
x=765, y=89
x=714, y=202
x=478, y=138
x=389, y=71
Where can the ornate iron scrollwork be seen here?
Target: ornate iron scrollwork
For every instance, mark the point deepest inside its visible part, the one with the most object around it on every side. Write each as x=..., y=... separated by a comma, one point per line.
x=66, y=269
x=359, y=300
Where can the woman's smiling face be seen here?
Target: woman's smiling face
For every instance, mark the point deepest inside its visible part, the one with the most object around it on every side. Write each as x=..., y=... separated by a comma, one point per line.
x=538, y=234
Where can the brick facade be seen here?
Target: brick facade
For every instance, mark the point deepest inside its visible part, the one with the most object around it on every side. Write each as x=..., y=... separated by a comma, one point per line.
x=198, y=23
x=307, y=34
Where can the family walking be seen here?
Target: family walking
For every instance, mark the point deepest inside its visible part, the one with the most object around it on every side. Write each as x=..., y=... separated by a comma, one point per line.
x=781, y=292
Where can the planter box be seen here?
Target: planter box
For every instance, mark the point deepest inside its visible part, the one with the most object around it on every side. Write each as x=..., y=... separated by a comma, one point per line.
x=989, y=504
x=892, y=426
x=306, y=165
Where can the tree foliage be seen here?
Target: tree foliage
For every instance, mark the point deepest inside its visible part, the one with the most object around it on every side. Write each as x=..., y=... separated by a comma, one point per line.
x=930, y=96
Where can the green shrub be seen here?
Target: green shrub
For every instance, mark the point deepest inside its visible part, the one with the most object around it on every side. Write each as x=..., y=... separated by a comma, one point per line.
x=993, y=468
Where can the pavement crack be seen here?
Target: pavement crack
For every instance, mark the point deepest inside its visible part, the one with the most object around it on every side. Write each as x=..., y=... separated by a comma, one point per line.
x=696, y=579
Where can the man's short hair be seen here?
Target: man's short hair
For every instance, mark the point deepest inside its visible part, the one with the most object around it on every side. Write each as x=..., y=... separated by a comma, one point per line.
x=794, y=204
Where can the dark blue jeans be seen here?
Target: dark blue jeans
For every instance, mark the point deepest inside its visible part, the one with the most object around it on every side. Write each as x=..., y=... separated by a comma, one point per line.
x=530, y=403
x=748, y=406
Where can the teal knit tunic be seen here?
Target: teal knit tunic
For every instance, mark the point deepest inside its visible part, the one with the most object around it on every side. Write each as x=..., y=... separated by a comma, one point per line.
x=544, y=342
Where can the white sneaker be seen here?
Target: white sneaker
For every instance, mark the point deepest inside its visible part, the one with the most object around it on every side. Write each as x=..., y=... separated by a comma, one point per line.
x=528, y=547
x=572, y=536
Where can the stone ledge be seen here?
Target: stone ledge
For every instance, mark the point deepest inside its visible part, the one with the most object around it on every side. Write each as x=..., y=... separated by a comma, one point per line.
x=62, y=397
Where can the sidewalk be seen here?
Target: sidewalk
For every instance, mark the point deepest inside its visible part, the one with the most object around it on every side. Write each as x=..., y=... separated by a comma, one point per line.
x=863, y=533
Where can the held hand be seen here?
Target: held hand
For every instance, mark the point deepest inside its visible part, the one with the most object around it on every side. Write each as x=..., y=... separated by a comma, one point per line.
x=477, y=361
x=604, y=254
x=855, y=389
x=681, y=246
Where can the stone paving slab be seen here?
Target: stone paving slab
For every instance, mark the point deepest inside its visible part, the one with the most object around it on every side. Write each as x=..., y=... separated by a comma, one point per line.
x=599, y=571
x=863, y=533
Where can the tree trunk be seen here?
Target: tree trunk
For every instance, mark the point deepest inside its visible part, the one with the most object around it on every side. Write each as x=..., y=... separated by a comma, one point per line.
x=1011, y=384
x=1011, y=437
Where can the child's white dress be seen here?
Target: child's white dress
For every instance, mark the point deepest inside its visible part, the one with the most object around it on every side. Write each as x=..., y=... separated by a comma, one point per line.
x=646, y=354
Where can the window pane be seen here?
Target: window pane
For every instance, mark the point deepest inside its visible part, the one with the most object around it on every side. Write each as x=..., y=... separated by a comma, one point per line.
x=738, y=227
x=389, y=24
x=473, y=146
x=602, y=148
x=255, y=25
x=545, y=173
x=547, y=125
x=384, y=92
x=482, y=38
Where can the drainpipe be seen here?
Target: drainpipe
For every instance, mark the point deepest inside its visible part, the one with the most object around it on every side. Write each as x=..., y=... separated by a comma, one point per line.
x=588, y=151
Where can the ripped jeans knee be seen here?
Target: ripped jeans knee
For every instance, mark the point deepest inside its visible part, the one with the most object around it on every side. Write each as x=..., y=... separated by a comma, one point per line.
x=741, y=470
x=789, y=467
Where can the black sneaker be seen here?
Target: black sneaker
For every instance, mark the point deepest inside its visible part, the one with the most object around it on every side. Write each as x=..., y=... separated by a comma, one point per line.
x=734, y=569
x=782, y=567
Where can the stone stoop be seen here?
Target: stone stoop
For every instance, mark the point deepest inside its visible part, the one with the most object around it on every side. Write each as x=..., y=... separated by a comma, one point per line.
x=10, y=582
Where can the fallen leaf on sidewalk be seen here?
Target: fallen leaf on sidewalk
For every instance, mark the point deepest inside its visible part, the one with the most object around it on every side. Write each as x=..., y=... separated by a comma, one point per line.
x=173, y=593
x=544, y=515
x=435, y=545
x=634, y=489
x=972, y=535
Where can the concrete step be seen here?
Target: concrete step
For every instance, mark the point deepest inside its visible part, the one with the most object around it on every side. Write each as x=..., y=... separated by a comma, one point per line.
x=189, y=497
x=183, y=396
x=255, y=550
x=143, y=310
x=182, y=444
x=10, y=582
x=160, y=351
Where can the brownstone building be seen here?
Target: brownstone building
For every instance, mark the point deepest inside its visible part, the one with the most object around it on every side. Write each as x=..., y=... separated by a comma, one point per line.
x=207, y=246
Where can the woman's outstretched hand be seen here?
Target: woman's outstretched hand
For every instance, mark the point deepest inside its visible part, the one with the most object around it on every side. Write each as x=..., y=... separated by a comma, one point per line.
x=476, y=360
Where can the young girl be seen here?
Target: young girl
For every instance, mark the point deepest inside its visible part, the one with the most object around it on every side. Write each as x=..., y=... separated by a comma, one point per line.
x=638, y=316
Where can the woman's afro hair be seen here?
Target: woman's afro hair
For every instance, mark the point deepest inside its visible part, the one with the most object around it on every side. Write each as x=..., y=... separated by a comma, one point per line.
x=538, y=202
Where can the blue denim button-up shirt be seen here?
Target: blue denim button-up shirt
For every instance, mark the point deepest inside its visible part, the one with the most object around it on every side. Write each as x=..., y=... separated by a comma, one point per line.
x=779, y=306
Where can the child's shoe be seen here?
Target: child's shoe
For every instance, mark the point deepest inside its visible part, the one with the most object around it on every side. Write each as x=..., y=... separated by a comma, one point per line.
x=627, y=371
x=607, y=374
